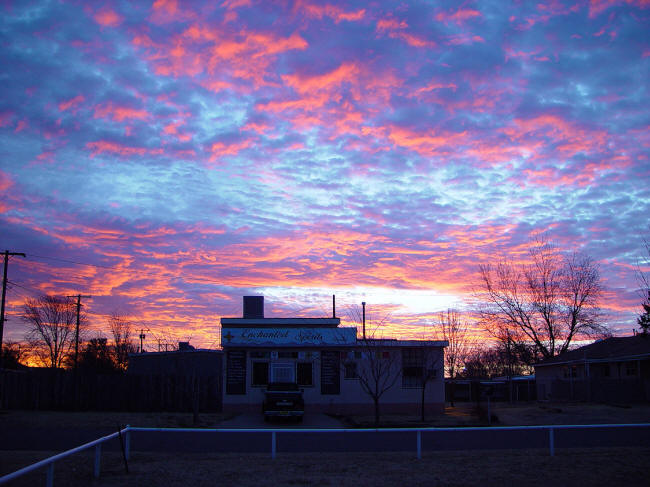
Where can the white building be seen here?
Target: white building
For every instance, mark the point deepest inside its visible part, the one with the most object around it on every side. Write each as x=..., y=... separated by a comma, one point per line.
x=328, y=362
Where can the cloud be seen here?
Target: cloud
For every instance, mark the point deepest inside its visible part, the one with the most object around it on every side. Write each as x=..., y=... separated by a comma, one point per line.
x=107, y=17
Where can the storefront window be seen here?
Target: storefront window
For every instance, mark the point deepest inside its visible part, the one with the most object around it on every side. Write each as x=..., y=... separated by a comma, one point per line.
x=350, y=371
x=260, y=373
x=283, y=372
x=305, y=374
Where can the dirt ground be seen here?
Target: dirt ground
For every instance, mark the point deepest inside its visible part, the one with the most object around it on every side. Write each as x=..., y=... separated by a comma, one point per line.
x=593, y=467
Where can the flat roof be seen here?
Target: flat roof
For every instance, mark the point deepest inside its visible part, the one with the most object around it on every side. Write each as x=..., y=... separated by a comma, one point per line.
x=270, y=322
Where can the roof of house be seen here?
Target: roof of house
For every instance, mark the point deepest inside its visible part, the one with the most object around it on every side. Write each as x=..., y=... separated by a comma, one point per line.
x=610, y=349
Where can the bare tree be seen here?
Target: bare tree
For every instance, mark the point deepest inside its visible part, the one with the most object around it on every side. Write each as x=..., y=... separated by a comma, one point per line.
x=456, y=332
x=431, y=363
x=378, y=369
x=122, y=329
x=546, y=302
x=52, y=322
x=643, y=277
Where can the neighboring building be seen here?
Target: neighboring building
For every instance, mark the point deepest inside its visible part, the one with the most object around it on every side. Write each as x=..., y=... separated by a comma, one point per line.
x=616, y=369
x=186, y=361
x=186, y=379
x=326, y=361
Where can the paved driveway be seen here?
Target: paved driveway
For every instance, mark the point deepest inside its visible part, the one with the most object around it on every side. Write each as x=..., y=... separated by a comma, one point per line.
x=256, y=420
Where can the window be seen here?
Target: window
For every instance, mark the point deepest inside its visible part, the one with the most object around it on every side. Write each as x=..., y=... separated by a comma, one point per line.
x=304, y=373
x=630, y=369
x=260, y=374
x=412, y=367
x=283, y=372
x=350, y=370
x=287, y=354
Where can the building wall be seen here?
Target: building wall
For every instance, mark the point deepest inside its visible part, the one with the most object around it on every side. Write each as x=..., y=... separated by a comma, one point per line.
x=351, y=399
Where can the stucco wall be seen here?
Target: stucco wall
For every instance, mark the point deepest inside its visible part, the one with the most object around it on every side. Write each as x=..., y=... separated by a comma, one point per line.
x=352, y=399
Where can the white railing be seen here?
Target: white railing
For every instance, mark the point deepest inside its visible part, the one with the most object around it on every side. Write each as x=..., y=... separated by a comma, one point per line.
x=49, y=462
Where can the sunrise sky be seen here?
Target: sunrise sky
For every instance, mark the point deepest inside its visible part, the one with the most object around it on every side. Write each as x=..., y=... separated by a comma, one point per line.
x=169, y=158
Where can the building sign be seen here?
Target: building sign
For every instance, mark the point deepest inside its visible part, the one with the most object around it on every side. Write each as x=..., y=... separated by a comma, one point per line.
x=236, y=372
x=298, y=337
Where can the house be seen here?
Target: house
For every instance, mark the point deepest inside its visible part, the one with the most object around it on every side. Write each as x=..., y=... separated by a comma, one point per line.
x=616, y=369
x=328, y=361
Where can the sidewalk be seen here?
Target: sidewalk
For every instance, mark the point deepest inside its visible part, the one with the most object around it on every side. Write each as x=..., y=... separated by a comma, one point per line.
x=253, y=420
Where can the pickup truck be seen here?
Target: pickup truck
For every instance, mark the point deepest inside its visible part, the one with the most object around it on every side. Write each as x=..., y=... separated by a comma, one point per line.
x=283, y=400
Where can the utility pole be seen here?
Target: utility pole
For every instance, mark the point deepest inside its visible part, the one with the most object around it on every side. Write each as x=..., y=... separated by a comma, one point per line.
x=76, y=337
x=142, y=337
x=363, y=306
x=4, y=294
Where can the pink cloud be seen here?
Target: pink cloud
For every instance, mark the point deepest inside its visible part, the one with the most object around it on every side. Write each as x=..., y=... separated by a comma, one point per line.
x=317, y=10
x=219, y=55
x=71, y=103
x=396, y=30
x=103, y=146
x=119, y=113
x=596, y=7
x=108, y=18
x=21, y=125
x=6, y=118
x=219, y=149
x=460, y=16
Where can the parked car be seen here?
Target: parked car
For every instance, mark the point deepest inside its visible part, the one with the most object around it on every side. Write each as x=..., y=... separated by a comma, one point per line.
x=283, y=400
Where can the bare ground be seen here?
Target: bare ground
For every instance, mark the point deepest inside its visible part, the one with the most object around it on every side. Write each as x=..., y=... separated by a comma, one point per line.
x=593, y=467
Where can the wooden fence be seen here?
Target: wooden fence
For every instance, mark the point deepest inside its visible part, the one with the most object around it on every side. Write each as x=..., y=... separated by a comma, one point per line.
x=55, y=389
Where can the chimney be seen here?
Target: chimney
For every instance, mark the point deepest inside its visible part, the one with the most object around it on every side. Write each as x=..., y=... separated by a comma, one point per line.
x=253, y=306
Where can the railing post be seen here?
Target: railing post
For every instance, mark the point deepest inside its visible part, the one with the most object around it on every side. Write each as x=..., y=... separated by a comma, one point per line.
x=49, y=475
x=551, y=441
x=98, y=457
x=127, y=443
x=419, y=442
x=273, y=445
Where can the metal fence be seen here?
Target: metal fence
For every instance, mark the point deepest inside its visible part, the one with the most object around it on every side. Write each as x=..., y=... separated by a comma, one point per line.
x=415, y=435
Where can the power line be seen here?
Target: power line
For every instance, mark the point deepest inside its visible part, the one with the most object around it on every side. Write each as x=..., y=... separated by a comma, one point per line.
x=4, y=295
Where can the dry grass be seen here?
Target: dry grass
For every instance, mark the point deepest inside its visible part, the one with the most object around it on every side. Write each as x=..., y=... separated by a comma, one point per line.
x=522, y=414
x=593, y=467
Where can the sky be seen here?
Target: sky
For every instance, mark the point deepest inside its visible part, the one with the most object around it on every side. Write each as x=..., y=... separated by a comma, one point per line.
x=168, y=158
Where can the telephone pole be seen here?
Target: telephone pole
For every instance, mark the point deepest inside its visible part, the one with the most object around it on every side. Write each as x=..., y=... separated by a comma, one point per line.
x=76, y=338
x=4, y=294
